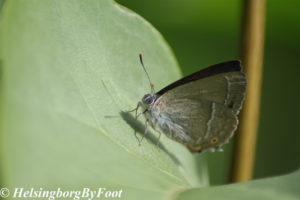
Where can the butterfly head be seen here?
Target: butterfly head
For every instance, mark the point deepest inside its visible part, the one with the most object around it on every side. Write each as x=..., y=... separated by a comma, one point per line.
x=149, y=99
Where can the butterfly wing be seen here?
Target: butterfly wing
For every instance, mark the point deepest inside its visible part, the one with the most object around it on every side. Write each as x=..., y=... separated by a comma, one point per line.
x=202, y=113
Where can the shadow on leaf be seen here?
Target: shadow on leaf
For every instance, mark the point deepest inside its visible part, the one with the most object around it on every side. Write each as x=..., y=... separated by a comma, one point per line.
x=140, y=128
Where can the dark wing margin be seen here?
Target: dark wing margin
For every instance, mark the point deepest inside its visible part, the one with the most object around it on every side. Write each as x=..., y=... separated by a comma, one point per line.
x=229, y=66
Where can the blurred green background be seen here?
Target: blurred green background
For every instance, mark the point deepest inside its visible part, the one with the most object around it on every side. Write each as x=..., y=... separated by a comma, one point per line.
x=202, y=33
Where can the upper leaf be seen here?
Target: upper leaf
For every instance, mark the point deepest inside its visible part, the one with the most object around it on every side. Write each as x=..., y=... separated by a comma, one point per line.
x=69, y=70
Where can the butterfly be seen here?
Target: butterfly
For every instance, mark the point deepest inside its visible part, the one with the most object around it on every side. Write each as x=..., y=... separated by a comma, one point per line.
x=200, y=110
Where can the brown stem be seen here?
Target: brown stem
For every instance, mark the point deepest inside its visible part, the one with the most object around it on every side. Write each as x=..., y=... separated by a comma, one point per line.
x=252, y=59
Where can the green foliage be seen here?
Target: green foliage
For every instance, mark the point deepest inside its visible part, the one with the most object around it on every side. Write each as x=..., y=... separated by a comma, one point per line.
x=69, y=70
x=276, y=188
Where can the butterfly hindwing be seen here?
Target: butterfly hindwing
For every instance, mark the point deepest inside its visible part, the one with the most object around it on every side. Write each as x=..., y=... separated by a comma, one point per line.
x=202, y=114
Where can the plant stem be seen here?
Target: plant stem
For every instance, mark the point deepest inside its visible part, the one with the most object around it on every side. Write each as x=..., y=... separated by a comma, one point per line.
x=252, y=59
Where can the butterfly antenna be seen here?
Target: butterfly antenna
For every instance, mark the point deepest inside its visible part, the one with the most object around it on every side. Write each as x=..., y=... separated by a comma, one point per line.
x=151, y=84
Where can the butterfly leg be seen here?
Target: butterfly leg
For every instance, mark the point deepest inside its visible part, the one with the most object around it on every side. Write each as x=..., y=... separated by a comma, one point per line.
x=136, y=110
x=146, y=131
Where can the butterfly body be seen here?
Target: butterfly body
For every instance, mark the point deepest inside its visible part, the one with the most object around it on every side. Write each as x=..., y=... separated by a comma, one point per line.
x=199, y=111
x=161, y=120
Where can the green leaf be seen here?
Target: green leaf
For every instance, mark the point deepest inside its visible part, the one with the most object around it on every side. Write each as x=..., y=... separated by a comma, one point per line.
x=69, y=69
x=282, y=187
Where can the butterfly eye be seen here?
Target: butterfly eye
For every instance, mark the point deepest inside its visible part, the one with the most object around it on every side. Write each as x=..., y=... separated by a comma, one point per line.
x=148, y=99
